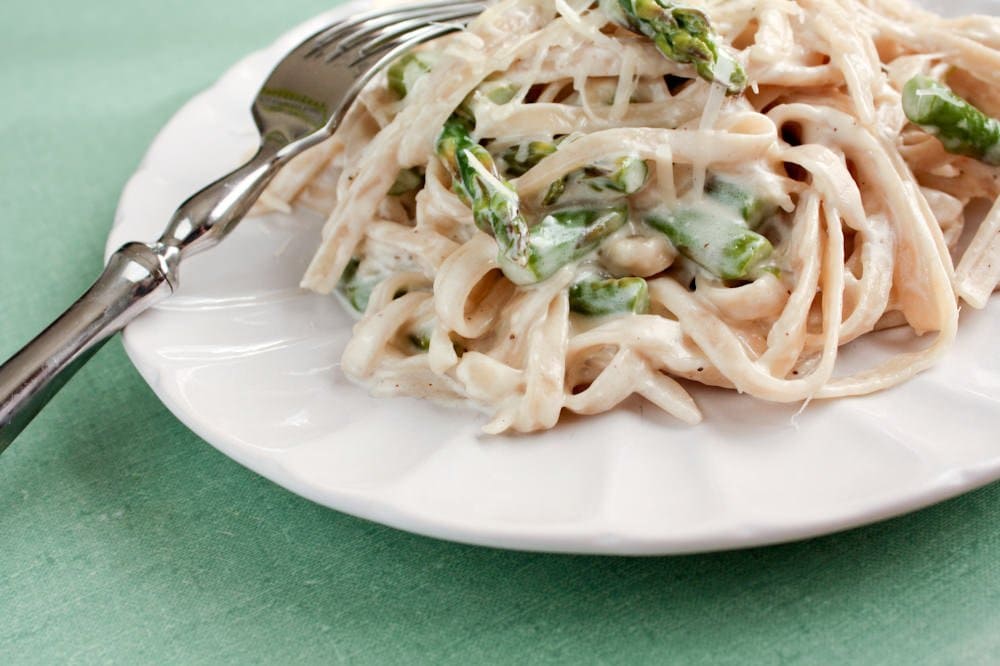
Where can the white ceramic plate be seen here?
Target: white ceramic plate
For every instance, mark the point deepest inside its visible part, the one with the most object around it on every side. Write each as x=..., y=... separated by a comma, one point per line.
x=250, y=363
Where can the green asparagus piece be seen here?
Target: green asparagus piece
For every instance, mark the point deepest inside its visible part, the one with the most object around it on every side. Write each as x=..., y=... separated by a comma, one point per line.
x=722, y=245
x=753, y=208
x=494, y=203
x=626, y=175
x=603, y=297
x=961, y=127
x=497, y=91
x=563, y=237
x=682, y=34
x=407, y=180
x=629, y=176
x=404, y=72
x=356, y=289
x=519, y=159
x=420, y=339
x=527, y=255
x=555, y=191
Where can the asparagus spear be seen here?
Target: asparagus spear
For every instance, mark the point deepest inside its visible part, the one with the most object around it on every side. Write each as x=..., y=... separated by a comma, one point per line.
x=420, y=339
x=494, y=203
x=518, y=159
x=626, y=175
x=682, y=34
x=753, y=208
x=407, y=180
x=404, y=72
x=527, y=255
x=356, y=289
x=961, y=127
x=722, y=245
x=598, y=297
x=563, y=237
x=497, y=91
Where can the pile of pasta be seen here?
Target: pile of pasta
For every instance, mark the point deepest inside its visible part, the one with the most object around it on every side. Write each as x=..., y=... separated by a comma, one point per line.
x=866, y=209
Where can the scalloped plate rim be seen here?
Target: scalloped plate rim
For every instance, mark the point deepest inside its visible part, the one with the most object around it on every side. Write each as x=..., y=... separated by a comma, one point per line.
x=588, y=536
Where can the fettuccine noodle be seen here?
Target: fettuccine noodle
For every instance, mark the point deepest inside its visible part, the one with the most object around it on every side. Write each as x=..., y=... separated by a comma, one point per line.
x=864, y=210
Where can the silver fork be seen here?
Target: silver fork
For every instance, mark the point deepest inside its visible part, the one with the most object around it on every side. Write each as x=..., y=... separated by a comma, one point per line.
x=300, y=104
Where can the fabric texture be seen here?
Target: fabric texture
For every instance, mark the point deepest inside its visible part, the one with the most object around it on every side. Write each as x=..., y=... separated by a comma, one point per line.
x=127, y=539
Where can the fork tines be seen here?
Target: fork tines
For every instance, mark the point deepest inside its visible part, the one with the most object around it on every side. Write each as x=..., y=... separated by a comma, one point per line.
x=394, y=22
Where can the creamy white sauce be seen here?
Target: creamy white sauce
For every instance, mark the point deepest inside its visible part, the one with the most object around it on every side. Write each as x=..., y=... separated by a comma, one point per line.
x=862, y=223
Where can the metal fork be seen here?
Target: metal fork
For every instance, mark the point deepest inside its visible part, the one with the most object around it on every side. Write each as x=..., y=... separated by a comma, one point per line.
x=300, y=104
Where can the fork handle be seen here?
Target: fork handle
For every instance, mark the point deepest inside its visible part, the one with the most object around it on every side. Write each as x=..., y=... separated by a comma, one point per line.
x=137, y=276
x=134, y=279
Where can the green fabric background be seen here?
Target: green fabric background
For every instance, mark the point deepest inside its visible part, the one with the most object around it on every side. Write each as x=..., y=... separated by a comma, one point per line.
x=126, y=539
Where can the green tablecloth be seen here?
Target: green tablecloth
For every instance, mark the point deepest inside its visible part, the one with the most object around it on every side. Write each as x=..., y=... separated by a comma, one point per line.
x=124, y=538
